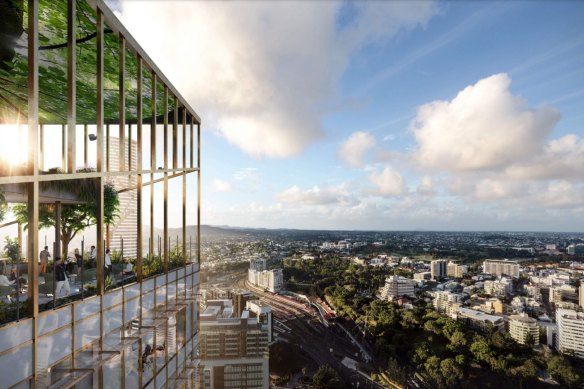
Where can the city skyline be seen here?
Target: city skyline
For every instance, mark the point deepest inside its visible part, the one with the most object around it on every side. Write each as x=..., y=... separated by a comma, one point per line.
x=381, y=116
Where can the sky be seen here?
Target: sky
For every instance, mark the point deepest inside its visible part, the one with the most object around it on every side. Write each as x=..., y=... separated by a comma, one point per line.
x=379, y=115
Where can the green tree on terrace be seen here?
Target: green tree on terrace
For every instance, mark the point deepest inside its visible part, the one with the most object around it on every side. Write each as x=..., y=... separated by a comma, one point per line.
x=74, y=217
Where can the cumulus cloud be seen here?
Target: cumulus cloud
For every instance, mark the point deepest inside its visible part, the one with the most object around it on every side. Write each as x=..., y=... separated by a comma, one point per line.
x=426, y=186
x=331, y=195
x=261, y=73
x=353, y=149
x=388, y=182
x=484, y=127
x=561, y=158
x=220, y=185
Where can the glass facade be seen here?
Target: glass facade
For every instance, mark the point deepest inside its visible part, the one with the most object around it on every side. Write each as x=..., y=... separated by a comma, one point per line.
x=99, y=273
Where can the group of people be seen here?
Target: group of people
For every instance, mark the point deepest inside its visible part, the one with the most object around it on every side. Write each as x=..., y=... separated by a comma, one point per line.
x=12, y=279
x=45, y=255
x=61, y=275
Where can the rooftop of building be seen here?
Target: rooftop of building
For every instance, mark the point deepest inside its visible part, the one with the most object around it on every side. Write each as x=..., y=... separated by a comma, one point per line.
x=478, y=315
x=523, y=318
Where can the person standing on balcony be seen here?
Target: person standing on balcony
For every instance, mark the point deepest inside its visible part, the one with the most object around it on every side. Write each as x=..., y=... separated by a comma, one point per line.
x=92, y=256
x=79, y=261
x=61, y=277
x=44, y=257
x=108, y=263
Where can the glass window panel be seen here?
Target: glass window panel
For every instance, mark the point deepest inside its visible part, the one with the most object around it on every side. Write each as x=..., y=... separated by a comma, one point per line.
x=175, y=222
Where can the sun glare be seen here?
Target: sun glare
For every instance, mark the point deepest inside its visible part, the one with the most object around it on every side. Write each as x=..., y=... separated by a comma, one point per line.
x=13, y=144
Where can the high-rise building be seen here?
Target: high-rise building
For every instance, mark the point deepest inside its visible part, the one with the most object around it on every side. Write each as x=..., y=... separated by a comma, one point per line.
x=397, y=286
x=438, y=268
x=455, y=270
x=233, y=349
x=499, y=268
x=258, y=275
x=91, y=139
x=521, y=327
x=570, y=331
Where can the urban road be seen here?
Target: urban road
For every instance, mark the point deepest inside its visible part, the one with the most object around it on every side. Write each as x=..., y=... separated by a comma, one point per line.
x=324, y=343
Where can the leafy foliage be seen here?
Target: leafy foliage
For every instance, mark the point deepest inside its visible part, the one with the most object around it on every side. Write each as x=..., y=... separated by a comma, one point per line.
x=74, y=217
x=12, y=249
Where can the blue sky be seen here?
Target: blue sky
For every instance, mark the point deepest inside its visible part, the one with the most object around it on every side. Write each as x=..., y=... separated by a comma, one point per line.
x=380, y=115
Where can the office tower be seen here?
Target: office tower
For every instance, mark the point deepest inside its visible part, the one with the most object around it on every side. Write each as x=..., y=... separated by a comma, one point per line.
x=233, y=349
x=521, y=327
x=75, y=113
x=570, y=331
x=438, y=268
x=501, y=267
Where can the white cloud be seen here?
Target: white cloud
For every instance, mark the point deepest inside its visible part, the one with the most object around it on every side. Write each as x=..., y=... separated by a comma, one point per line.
x=331, y=195
x=388, y=182
x=353, y=149
x=426, y=186
x=262, y=72
x=483, y=127
x=562, y=158
x=220, y=185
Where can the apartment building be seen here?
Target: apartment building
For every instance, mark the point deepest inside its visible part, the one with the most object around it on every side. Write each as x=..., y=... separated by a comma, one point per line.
x=455, y=270
x=499, y=287
x=522, y=328
x=397, y=286
x=438, y=268
x=233, y=349
x=258, y=275
x=570, y=336
x=444, y=301
x=499, y=268
x=479, y=320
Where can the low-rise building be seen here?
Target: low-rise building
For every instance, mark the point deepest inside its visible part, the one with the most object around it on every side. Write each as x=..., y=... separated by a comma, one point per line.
x=425, y=275
x=479, y=320
x=492, y=306
x=522, y=328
